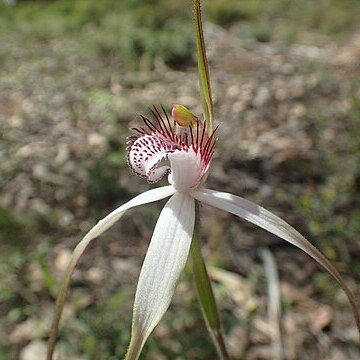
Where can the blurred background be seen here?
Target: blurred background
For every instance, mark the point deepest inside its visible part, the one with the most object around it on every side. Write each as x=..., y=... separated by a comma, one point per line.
x=75, y=75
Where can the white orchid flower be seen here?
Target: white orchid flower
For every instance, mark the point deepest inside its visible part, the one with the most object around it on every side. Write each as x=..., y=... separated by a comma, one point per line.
x=161, y=147
x=184, y=152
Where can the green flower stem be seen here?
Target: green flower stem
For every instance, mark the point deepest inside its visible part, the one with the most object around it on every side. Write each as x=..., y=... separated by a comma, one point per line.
x=205, y=292
x=203, y=69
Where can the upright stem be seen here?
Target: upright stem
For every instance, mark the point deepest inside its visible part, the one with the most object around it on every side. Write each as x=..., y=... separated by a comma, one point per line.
x=205, y=292
x=203, y=69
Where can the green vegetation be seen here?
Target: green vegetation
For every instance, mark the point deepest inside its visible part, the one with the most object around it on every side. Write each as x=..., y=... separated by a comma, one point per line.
x=125, y=30
x=137, y=32
x=281, y=19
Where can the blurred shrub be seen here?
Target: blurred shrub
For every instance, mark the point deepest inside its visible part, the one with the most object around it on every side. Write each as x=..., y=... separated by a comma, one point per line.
x=135, y=32
x=332, y=17
x=227, y=12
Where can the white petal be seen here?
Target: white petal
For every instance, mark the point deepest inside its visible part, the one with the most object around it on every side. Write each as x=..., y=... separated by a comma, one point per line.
x=97, y=230
x=163, y=264
x=272, y=223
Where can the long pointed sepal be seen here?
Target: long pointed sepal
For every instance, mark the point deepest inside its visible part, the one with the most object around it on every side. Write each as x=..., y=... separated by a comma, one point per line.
x=164, y=262
x=97, y=230
x=275, y=225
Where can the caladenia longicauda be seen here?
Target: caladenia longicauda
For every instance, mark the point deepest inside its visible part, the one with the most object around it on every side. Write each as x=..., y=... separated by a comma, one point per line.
x=180, y=146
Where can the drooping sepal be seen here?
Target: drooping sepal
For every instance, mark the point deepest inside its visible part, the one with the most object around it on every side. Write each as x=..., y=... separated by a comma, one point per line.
x=163, y=264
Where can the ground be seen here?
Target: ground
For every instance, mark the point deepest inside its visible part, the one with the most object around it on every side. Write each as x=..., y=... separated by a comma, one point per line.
x=289, y=140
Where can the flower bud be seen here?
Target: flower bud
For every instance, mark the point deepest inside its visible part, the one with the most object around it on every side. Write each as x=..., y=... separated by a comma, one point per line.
x=183, y=116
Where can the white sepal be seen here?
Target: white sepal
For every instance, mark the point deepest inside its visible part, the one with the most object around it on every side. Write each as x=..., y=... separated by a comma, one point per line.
x=141, y=199
x=272, y=223
x=104, y=224
x=164, y=262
